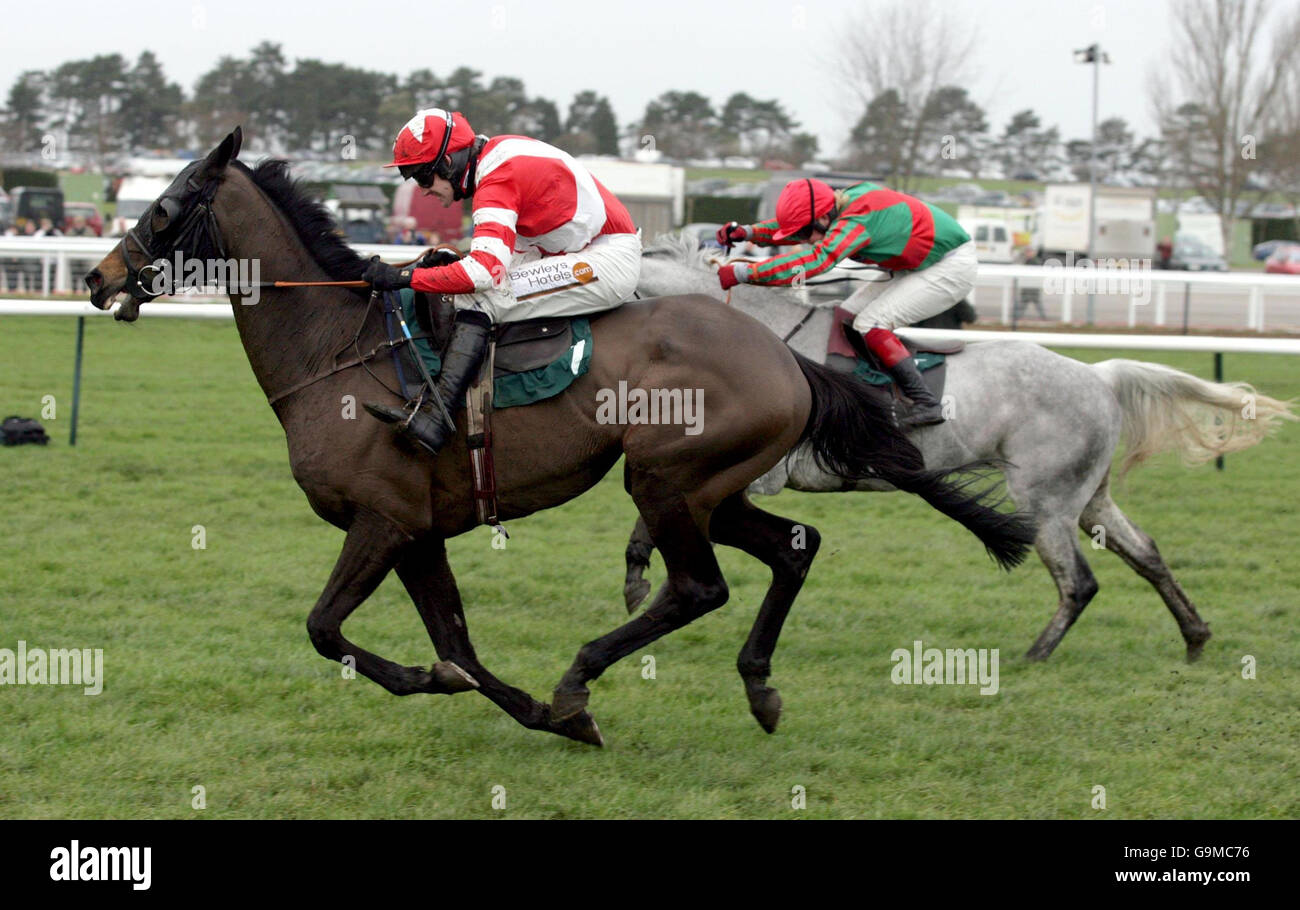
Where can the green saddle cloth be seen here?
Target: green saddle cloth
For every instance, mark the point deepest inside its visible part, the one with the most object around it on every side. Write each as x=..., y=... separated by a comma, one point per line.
x=511, y=390
x=925, y=360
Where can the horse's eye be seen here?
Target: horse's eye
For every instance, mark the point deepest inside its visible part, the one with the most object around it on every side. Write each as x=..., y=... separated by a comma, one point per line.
x=164, y=213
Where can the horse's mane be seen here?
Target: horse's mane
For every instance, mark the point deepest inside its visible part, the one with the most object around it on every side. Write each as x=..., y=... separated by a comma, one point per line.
x=316, y=227
x=683, y=249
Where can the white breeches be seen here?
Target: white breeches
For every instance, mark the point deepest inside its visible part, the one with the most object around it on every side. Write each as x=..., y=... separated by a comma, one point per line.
x=909, y=297
x=598, y=277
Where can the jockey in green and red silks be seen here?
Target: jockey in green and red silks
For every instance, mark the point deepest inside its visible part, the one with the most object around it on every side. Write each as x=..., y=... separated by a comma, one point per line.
x=932, y=256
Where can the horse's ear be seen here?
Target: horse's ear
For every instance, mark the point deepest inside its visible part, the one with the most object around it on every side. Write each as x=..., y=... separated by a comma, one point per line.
x=220, y=156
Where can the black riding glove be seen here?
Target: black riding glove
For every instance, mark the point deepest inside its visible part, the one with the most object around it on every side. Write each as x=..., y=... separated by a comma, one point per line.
x=384, y=277
x=437, y=258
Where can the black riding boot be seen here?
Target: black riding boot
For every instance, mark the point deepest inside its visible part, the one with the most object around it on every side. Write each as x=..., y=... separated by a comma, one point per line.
x=925, y=409
x=460, y=364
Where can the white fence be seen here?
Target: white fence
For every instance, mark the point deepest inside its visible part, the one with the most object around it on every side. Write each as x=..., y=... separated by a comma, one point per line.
x=50, y=265
x=223, y=310
x=1250, y=300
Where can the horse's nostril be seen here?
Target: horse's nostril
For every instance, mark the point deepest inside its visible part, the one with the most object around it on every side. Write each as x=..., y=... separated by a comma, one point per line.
x=93, y=280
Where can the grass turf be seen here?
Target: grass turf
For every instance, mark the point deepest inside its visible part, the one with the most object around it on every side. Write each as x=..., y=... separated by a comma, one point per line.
x=211, y=681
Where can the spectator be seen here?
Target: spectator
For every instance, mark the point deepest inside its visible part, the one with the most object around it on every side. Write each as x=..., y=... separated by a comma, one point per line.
x=48, y=229
x=79, y=227
x=1165, y=250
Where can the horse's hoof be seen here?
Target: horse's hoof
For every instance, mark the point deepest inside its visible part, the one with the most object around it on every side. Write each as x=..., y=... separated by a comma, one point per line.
x=1196, y=646
x=581, y=727
x=765, y=705
x=452, y=678
x=565, y=705
x=634, y=592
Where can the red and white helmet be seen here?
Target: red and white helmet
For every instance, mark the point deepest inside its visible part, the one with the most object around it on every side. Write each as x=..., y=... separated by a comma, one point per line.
x=429, y=135
x=800, y=204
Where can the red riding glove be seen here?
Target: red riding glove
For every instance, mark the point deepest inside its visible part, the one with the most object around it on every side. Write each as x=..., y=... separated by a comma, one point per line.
x=730, y=233
x=731, y=275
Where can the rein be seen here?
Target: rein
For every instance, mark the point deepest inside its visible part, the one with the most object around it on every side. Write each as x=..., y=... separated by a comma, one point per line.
x=198, y=231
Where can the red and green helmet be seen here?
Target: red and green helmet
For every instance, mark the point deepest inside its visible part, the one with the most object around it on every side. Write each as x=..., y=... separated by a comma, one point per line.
x=800, y=204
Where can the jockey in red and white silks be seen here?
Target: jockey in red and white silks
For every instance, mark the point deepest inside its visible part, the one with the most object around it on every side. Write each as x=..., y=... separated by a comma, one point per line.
x=548, y=240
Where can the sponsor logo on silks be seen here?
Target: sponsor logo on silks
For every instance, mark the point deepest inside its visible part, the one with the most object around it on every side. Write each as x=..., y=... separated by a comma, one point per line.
x=76, y=863
x=543, y=277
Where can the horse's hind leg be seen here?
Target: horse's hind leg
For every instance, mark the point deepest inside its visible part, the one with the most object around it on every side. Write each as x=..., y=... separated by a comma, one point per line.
x=694, y=587
x=639, y=548
x=1057, y=544
x=1138, y=550
x=371, y=548
x=788, y=549
x=428, y=579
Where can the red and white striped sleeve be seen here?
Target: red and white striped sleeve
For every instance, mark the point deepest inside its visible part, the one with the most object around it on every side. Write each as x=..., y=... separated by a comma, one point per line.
x=495, y=217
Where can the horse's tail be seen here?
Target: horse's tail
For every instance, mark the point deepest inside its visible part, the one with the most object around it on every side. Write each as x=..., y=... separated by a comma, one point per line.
x=852, y=435
x=1168, y=410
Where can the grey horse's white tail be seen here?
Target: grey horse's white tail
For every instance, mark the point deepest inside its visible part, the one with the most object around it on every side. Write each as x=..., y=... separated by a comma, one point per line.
x=1167, y=410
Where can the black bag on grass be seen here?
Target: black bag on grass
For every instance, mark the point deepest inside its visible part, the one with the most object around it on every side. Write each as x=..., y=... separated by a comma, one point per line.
x=19, y=430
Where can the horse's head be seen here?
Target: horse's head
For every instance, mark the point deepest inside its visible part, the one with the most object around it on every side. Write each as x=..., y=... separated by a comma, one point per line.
x=178, y=220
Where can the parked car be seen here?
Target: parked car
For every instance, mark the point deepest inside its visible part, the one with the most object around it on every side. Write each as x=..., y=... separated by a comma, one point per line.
x=1284, y=261
x=1261, y=252
x=1194, y=255
x=86, y=210
x=35, y=203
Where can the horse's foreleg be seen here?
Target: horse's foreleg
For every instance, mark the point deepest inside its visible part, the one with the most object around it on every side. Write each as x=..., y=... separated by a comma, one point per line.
x=370, y=549
x=639, y=548
x=428, y=578
x=788, y=549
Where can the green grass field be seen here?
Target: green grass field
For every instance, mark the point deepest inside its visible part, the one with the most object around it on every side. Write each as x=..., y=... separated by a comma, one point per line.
x=210, y=680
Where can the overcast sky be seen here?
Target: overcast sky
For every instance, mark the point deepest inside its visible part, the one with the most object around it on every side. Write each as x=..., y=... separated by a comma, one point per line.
x=631, y=51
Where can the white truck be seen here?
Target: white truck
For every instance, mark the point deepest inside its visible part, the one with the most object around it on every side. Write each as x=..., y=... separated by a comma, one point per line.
x=134, y=195
x=1001, y=233
x=1125, y=228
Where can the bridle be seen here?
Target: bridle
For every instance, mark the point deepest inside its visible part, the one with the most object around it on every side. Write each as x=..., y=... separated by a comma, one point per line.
x=198, y=231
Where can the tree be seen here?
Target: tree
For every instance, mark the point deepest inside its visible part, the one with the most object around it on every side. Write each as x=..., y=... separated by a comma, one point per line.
x=913, y=48
x=1213, y=106
x=1116, y=151
x=762, y=129
x=1025, y=144
x=953, y=131
x=24, y=110
x=873, y=141
x=87, y=97
x=590, y=128
x=948, y=132
x=150, y=104
x=682, y=125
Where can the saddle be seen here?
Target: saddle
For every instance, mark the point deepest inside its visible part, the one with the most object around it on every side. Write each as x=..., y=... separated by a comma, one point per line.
x=531, y=343
x=847, y=352
x=526, y=354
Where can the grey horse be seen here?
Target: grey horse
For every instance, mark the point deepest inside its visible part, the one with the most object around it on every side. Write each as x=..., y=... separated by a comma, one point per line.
x=1052, y=421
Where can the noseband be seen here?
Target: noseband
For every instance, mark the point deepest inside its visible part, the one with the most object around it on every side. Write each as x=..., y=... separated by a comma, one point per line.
x=198, y=231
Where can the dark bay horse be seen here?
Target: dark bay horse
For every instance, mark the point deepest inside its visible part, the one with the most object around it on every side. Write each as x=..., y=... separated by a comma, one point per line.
x=398, y=505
